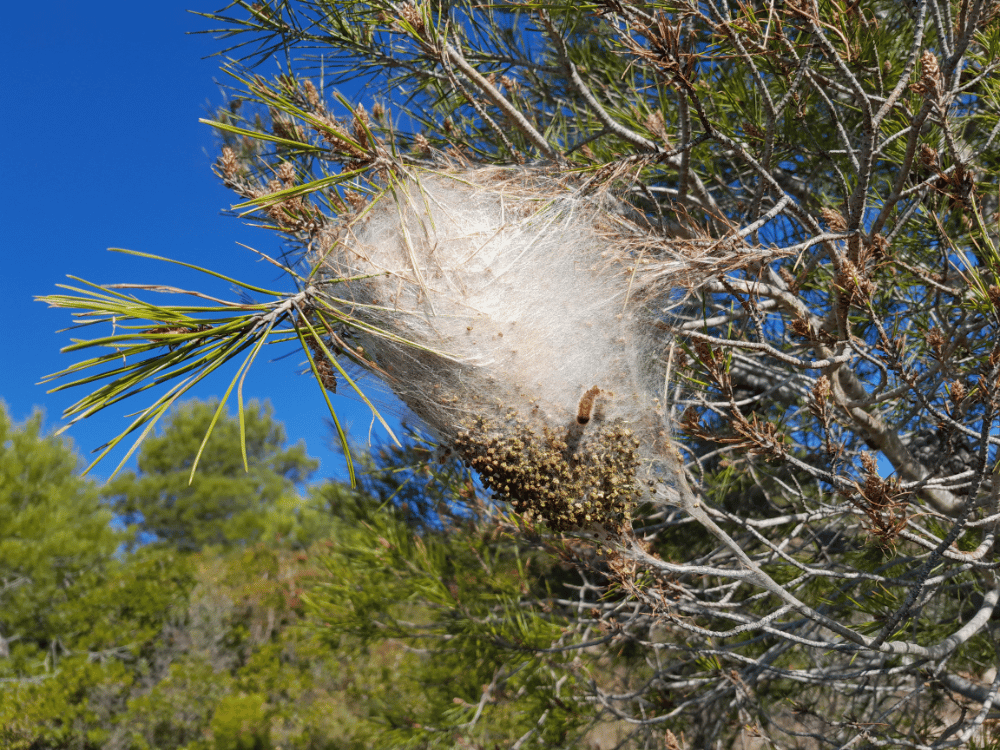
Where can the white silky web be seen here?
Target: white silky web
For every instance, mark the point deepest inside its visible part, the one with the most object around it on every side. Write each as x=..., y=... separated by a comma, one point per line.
x=508, y=314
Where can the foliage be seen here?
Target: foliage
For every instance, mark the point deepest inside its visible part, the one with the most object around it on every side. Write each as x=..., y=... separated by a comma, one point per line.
x=413, y=623
x=822, y=567
x=472, y=622
x=161, y=648
x=235, y=668
x=221, y=504
x=54, y=533
x=76, y=621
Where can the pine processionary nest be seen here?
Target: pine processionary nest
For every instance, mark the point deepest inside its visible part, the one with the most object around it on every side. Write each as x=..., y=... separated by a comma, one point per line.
x=509, y=312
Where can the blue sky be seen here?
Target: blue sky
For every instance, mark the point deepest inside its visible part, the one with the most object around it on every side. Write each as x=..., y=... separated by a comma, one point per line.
x=102, y=148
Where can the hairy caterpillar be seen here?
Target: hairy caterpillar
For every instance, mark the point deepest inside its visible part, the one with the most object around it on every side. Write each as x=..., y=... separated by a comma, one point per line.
x=587, y=405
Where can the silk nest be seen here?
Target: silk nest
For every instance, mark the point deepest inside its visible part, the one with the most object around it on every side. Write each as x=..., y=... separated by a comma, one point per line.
x=525, y=321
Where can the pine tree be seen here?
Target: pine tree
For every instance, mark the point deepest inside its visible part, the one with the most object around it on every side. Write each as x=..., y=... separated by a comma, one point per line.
x=54, y=531
x=76, y=621
x=220, y=504
x=823, y=172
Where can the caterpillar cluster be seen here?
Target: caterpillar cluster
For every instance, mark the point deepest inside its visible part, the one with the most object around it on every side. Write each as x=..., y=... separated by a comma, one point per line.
x=548, y=478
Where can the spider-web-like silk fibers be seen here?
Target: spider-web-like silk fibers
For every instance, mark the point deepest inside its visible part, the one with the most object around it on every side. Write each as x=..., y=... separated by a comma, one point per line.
x=503, y=294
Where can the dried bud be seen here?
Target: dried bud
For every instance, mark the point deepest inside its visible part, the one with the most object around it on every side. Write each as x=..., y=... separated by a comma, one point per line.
x=753, y=131
x=286, y=173
x=994, y=294
x=929, y=65
x=879, y=246
x=689, y=421
x=332, y=131
x=704, y=353
x=284, y=128
x=820, y=394
x=935, y=340
x=802, y=329
x=357, y=202
x=958, y=392
x=360, y=127
x=834, y=219
x=421, y=145
x=326, y=371
x=882, y=502
x=930, y=76
x=928, y=155
x=854, y=283
x=312, y=95
x=869, y=462
x=655, y=125
x=786, y=276
x=821, y=391
x=228, y=164
x=412, y=16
